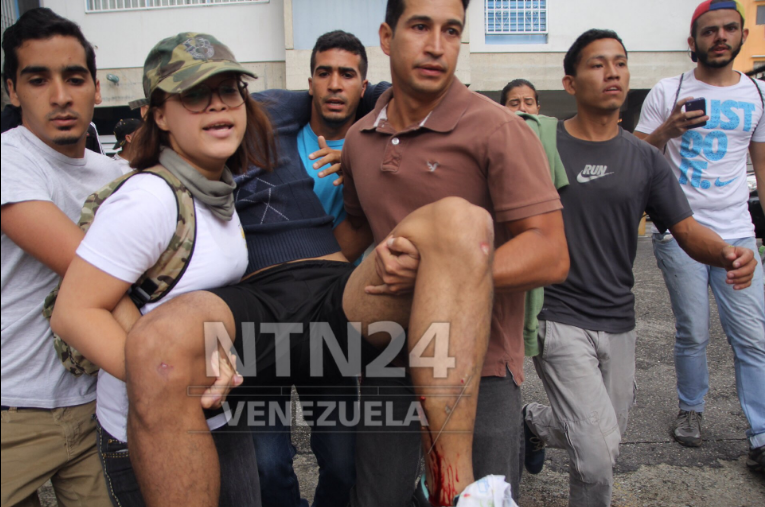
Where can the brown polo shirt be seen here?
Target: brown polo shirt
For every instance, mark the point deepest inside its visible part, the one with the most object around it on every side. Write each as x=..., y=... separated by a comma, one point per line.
x=470, y=147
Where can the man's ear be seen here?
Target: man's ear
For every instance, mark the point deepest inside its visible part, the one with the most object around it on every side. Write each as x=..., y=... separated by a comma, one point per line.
x=364, y=87
x=745, y=35
x=12, y=93
x=98, y=92
x=129, y=138
x=569, y=85
x=310, y=86
x=386, y=34
x=692, y=44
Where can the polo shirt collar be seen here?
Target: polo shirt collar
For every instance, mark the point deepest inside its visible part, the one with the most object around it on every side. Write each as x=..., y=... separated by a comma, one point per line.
x=443, y=118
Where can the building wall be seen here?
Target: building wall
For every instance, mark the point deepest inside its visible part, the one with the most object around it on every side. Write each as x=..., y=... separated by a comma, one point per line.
x=492, y=71
x=753, y=53
x=654, y=31
x=262, y=35
x=254, y=32
x=130, y=87
x=645, y=25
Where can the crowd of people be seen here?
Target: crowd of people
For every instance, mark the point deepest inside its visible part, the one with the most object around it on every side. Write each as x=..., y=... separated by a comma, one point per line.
x=392, y=251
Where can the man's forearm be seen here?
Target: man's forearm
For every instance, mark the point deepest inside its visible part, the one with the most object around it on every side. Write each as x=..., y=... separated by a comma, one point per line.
x=657, y=138
x=700, y=243
x=353, y=240
x=43, y=231
x=534, y=258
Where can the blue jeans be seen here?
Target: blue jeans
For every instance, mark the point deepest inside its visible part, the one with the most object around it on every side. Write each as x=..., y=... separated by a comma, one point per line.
x=742, y=315
x=332, y=440
x=237, y=467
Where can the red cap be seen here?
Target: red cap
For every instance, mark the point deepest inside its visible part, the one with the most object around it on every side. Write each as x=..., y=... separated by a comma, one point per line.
x=707, y=6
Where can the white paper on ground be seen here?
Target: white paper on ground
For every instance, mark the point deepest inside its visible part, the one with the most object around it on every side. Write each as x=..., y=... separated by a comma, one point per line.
x=491, y=491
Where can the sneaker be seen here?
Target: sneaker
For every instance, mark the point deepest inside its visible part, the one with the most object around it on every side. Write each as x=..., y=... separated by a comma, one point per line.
x=534, y=454
x=756, y=459
x=687, y=429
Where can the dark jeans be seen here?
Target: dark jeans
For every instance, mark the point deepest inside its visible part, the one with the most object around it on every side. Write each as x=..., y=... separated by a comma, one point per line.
x=238, y=468
x=332, y=441
x=388, y=457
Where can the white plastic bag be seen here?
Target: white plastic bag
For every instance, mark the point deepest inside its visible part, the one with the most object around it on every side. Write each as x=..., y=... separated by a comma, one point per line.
x=491, y=491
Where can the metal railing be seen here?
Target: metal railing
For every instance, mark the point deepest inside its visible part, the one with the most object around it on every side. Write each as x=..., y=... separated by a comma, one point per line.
x=134, y=5
x=515, y=16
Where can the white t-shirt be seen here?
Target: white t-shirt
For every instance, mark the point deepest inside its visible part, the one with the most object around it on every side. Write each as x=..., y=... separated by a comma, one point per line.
x=129, y=233
x=32, y=171
x=710, y=161
x=124, y=164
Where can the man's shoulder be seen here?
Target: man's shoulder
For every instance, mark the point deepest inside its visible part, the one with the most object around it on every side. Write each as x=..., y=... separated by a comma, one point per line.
x=483, y=117
x=666, y=87
x=646, y=155
x=671, y=82
x=287, y=110
x=642, y=147
x=99, y=161
x=489, y=110
x=10, y=138
x=355, y=130
x=16, y=149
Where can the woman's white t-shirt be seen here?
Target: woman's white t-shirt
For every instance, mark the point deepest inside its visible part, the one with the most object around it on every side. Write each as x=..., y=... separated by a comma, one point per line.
x=129, y=233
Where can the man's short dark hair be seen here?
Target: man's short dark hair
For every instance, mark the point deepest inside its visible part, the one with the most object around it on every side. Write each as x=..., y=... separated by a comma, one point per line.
x=574, y=55
x=395, y=9
x=339, y=39
x=515, y=83
x=38, y=24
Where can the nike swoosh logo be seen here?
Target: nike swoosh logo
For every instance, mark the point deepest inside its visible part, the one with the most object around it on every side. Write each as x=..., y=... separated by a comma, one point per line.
x=585, y=179
x=720, y=183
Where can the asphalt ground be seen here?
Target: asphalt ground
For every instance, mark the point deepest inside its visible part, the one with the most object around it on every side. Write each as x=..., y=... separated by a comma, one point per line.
x=652, y=470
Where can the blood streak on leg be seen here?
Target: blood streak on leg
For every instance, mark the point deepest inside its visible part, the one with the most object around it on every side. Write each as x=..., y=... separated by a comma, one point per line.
x=444, y=476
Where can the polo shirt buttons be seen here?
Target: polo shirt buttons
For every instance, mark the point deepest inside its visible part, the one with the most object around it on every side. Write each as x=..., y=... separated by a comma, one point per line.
x=395, y=141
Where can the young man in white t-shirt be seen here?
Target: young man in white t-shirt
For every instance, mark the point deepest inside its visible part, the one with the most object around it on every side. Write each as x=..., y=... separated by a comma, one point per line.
x=707, y=151
x=48, y=431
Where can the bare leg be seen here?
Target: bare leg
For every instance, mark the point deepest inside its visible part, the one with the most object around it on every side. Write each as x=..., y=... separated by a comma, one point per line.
x=171, y=450
x=454, y=285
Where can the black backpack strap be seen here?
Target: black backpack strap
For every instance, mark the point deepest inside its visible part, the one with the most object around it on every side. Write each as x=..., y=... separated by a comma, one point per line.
x=762, y=102
x=672, y=107
x=677, y=94
x=141, y=294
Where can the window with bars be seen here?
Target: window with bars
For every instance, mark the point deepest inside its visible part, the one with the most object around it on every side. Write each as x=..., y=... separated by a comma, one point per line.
x=515, y=21
x=131, y=5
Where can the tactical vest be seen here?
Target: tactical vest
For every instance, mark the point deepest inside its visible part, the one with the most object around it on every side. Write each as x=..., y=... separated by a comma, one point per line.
x=157, y=281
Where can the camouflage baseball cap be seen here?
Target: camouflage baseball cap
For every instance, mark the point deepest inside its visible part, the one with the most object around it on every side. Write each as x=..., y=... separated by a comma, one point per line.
x=181, y=62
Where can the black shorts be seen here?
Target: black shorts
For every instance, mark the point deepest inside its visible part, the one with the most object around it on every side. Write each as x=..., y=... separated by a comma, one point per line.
x=298, y=293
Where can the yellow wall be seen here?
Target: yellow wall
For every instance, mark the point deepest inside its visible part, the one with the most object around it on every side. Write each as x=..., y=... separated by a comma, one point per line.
x=753, y=52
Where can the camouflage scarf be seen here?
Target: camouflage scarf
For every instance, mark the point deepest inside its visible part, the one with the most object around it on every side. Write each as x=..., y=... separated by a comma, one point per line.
x=218, y=195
